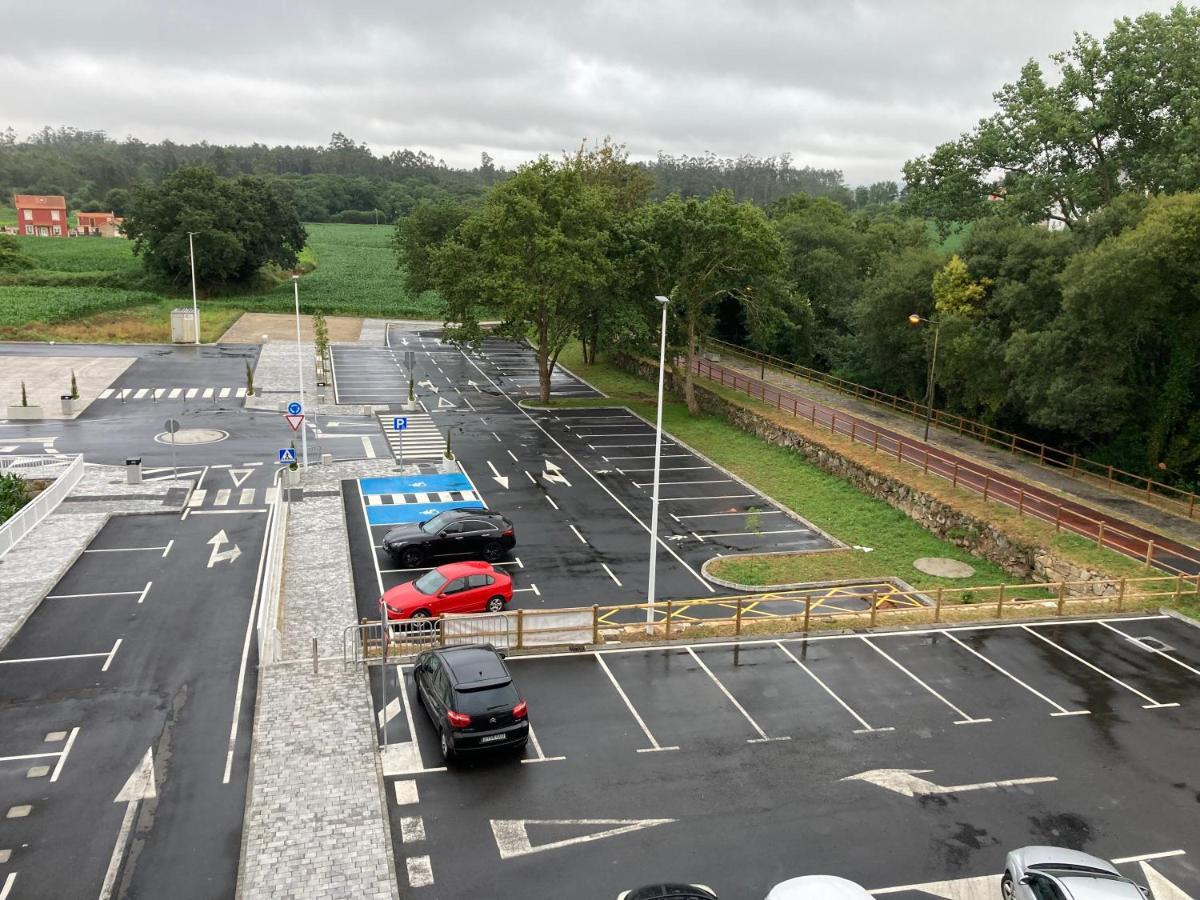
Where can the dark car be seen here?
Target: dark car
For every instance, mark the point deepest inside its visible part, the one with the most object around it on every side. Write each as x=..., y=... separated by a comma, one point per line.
x=460, y=532
x=669, y=891
x=471, y=699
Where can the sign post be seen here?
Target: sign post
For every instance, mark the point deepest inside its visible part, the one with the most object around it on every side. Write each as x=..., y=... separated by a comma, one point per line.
x=297, y=409
x=399, y=424
x=170, y=427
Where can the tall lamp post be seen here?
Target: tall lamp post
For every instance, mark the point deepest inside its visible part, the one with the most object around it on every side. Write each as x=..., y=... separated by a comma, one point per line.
x=662, y=364
x=300, y=369
x=915, y=319
x=195, y=306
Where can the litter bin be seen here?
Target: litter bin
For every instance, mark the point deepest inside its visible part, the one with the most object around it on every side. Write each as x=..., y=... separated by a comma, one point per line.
x=68, y=404
x=133, y=470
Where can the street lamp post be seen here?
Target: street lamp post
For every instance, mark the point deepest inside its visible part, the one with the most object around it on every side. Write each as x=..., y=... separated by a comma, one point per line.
x=300, y=369
x=195, y=306
x=662, y=364
x=915, y=319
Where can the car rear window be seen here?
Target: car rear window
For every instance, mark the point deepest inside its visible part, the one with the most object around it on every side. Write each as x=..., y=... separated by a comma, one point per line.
x=486, y=700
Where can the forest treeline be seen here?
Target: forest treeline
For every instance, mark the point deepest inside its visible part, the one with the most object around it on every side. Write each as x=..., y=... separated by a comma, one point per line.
x=344, y=181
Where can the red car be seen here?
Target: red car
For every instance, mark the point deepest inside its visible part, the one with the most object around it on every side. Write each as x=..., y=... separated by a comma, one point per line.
x=463, y=587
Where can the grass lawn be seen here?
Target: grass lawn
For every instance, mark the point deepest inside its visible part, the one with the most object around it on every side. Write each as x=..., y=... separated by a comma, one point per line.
x=828, y=502
x=92, y=289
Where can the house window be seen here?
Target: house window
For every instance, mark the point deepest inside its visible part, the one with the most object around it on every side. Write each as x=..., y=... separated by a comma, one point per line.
x=57, y=231
x=28, y=215
x=54, y=215
x=28, y=228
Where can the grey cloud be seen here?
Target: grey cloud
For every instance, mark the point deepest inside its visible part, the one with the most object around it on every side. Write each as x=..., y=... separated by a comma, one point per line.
x=859, y=86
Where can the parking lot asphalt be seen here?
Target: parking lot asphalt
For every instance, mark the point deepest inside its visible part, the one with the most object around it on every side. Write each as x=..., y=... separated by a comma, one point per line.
x=910, y=762
x=577, y=483
x=126, y=704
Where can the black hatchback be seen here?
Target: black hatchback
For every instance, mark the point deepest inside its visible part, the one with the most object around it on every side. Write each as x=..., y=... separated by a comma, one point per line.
x=471, y=699
x=474, y=533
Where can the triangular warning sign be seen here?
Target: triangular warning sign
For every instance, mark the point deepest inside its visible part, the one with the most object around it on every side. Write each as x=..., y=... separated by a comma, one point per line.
x=140, y=784
x=512, y=836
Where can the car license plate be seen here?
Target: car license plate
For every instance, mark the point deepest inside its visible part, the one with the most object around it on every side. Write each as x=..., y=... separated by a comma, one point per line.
x=492, y=737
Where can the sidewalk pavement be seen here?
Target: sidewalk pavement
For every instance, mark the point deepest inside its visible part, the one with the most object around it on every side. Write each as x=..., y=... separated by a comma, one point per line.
x=1113, y=501
x=316, y=820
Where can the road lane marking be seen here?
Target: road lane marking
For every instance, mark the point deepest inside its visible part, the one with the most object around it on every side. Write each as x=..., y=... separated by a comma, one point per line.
x=866, y=727
x=1151, y=703
x=762, y=735
x=368, y=447
x=140, y=593
x=124, y=549
x=1163, y=653
x=111, y=653
x=1062, y=710
x=582, y=539
x=763, y=512
x=6, y=888
x=420, y=872
x=964, y=719
x=654, y=747
x=145, y=591
x=62, y=758
x=673, y=469
x=224, y=512
x=745, y=533
x=512, y=838
x=222, y=498
x=907, y=783
x=611, y=575
x=412, y=829
x=537, y=748
x=662, y=483
x=721, y=497
x=405, y=792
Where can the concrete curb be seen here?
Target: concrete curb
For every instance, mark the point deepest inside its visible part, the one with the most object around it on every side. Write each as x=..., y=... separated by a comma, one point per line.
x=900, y=583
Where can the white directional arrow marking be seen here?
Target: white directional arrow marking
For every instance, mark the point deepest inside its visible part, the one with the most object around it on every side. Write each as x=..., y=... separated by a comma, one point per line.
x=428, y=384
x=474, y=385
x=512, y=839
x=554, y=473
x=218, y=555
x=986, y=887
x=138, y=786
x=1160, y=886
x=906, y=782
x=502, y=480
x=240, y=475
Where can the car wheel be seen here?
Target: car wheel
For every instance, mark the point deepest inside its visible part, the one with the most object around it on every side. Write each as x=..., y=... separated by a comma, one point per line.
x=420, y=614
x=1006, y=886
x=447, y=750
x=496, y=604
x=412, y=558
x=492, y=551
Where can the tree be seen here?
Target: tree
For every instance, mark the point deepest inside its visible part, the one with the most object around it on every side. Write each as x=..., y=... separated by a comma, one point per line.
x=537, y=246
x=419, y=234
x=11, y=257
x=1122, y=114
x=240, y=226
x=954, y=291
x=702, y=252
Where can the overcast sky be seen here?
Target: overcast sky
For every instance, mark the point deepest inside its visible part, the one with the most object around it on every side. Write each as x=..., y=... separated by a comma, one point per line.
x=857, y=86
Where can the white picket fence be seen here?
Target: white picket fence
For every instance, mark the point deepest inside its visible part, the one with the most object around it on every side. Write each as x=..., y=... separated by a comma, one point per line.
x=66, y=472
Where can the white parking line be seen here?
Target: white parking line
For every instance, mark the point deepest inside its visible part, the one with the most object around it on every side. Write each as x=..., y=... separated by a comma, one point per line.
x=582, y=539
x=1151, y=702
x=32, y=659
x=719, y=497
x=550, y=500
x=964, y=719
x=866, y=727
x=123, y=549
x=1163, y=653
x=6, y=888
x=741, y=533
x=672, y=469
x=62, y=759
x=654, y=747
x=537, y=748
x=651, y=456
x=367, y=522
x=1062, y=710
x=667, y=483
x=762, y=735
x=141, y=594
x=611, y=575
x=764, y=512
x=111, y=653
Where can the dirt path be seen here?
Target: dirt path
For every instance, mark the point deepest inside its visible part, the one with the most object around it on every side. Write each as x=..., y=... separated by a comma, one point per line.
x=250, y=328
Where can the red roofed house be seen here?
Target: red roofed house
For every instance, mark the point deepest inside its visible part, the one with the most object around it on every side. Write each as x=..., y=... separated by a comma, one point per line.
x=41, y=216
x=105, y=224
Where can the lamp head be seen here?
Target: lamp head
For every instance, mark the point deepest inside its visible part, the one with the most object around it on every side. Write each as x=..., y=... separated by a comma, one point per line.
x=663, y=300
x=914, y=319
x=295, y=278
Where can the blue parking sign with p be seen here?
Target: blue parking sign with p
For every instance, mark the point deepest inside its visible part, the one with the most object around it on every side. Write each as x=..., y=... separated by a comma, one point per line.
x=287, y=454
x=399, y=423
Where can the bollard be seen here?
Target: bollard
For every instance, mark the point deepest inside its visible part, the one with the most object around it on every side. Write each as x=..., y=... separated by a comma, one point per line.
x=1149, y=554
x=315, y=653
x=668, y=622
x=1062, y=596
x=937, y=606
x=1121, y=596
x=737, y=620
x=595, y=624
x=807, y=612
x=520, y=628
x=874, y=607
x=1000, y=603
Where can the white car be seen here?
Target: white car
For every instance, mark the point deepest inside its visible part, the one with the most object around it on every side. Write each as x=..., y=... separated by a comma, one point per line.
x=818, y=887
x=1053, y=873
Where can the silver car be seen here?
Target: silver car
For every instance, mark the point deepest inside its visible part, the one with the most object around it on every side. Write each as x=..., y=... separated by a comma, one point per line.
x=1054, y=873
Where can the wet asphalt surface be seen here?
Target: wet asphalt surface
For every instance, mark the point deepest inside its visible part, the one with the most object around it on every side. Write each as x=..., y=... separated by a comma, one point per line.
x=766, y=734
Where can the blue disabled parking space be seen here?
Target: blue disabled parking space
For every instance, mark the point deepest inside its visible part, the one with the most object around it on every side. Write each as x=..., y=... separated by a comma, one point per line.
x=413, y=498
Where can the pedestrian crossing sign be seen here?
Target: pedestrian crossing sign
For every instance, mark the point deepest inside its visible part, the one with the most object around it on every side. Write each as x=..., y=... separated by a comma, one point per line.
x=287, y=454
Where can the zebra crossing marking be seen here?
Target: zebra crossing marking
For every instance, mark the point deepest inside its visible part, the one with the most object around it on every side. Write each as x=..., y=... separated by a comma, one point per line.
x=170, y=393
x=421, y=439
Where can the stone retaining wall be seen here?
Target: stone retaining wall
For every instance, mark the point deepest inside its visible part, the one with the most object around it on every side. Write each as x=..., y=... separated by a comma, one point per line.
x=976, y=536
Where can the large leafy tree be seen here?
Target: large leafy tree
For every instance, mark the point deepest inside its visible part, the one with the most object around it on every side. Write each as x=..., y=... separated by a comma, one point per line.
x=701, y=253
x=240, y=225
x=536, y=251
x=419, y=234
x=1122, y=113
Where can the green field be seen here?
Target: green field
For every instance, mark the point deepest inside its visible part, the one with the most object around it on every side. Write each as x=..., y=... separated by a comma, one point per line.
x=79, y=280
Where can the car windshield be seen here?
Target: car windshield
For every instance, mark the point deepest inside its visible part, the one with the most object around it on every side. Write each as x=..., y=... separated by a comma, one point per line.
x=486, y=700
x=430, y=583
x=436, y=524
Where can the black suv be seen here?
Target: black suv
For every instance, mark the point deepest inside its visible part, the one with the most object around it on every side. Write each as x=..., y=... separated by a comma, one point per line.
x=471, y=699
x=479, y=533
